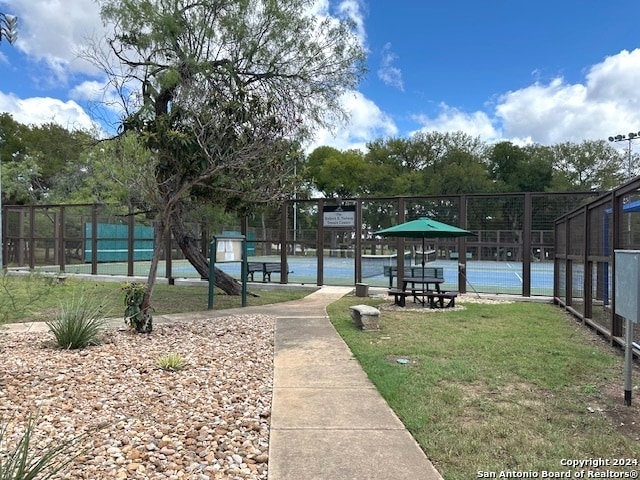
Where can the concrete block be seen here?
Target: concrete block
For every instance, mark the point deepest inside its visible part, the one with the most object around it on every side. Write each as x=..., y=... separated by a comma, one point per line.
x=365, y=316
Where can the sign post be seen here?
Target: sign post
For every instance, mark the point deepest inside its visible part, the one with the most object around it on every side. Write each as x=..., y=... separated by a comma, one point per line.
x=228, y=248
x=627, y=305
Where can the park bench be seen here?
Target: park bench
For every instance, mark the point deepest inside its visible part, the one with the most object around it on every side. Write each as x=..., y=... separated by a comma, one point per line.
x=435, y=299
x=266, y=268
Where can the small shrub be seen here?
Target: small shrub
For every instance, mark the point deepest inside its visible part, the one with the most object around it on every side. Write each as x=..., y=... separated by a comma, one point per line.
x=78, y=323
x=135, y=316
x=22, y=461
x=171, y=362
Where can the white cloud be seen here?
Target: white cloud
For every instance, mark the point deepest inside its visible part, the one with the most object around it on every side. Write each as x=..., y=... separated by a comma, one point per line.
x=608, y=102
x=366, y=122
x=616, y=78
x=452, y=120
x=89, y=90
x=53, y=33
x=41, y=110
x=389, y=74
x=605, y=104
x=353, y=10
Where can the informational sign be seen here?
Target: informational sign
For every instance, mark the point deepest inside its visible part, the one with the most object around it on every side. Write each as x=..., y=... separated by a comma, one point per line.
x=628, y=284
x=229, y=250
x=224, y=248
x=339, y=216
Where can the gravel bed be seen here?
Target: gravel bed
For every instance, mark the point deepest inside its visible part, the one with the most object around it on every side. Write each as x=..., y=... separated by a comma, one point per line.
x=208, y=421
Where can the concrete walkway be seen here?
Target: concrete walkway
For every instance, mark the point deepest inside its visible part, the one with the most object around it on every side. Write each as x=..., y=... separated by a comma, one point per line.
x=328, y=422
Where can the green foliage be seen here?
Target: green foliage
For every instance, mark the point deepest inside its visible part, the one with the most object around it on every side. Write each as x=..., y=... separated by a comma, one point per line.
x=135, y=315
x=79, y=322
x=336, y=173
x=38, y=159
x=23, y=461
x=590, y=165
x=520, y=169
x=171, y=362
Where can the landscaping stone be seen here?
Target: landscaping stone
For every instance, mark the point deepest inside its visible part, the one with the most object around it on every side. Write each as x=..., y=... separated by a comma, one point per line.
x=210, y=420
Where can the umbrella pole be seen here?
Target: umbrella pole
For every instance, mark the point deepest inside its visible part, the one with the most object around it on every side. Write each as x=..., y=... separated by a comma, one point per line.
x=422, y=258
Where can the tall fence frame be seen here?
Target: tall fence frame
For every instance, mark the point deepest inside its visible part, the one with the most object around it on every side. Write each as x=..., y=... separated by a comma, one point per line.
x=403, y=209
x=584, y=266
x=511, y=227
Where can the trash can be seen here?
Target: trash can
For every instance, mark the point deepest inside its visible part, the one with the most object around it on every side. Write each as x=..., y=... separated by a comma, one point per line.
x=362, y=290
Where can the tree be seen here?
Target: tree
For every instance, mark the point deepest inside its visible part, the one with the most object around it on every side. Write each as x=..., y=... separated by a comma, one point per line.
x=520, y=169
x=35, y=158
x=460, y=172
x=220, y=91
x=590, y=165
x=336, y=173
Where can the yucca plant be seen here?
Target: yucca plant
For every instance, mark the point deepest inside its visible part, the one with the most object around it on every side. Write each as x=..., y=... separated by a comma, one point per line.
x=171, y=362
x=79, y=323
x=24, y=462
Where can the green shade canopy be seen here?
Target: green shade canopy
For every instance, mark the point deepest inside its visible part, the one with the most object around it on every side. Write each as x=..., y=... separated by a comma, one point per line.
x=423, y=228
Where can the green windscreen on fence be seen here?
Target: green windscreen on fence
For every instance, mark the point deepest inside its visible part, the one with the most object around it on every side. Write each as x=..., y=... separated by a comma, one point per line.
x=113, y=242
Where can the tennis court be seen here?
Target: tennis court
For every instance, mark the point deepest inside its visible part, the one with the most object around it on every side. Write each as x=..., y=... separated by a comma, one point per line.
x=481, y=276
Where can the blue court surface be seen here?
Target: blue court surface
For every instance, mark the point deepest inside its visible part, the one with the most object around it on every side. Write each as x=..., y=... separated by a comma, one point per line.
x=481, y=276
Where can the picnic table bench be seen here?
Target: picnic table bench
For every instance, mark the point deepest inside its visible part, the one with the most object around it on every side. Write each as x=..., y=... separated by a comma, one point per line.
x=425, y=289
x=266, y=268
x=435, y=299
x=391, y=271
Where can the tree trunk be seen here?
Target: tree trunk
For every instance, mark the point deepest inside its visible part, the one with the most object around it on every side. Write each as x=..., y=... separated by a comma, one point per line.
x=144, y=320
x=193, y=253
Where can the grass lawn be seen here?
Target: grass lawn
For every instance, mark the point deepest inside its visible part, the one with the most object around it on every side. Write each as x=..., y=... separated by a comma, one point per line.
x=37, y=298
x=499, y=387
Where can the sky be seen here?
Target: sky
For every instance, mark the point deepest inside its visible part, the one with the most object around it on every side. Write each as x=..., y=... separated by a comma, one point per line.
x=526, y=71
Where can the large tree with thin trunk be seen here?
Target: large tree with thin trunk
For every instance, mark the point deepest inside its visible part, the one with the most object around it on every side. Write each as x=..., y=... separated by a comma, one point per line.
x=221, y=92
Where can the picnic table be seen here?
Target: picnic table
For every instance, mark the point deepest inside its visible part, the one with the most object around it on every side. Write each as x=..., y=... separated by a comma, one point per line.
x=424, y=290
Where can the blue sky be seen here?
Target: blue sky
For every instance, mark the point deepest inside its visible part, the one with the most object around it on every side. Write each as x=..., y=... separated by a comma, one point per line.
x=527, y=71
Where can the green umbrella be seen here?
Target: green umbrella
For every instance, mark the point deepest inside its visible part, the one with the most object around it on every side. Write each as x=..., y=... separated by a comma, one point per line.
x=423, y=228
